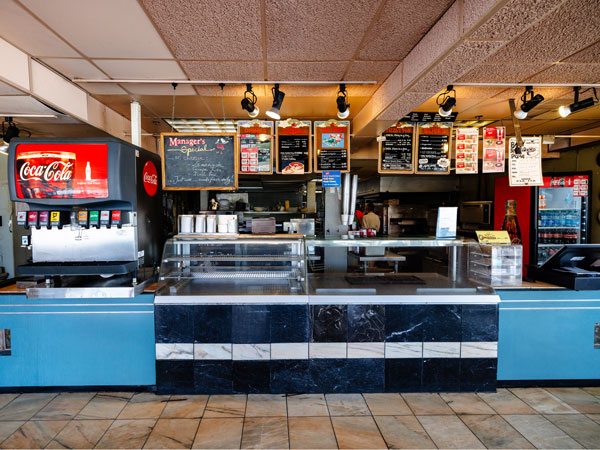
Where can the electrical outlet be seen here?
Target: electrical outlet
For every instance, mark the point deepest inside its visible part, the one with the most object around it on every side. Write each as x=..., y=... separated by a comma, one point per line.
x=597, y=336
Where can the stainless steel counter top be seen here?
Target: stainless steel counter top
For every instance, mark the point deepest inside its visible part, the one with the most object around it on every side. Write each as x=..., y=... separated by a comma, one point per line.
x=425, y=241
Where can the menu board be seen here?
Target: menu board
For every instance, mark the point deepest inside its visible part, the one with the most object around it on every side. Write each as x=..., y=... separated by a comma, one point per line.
x=494, y=145
x=467, y=150
x=293, y=147
x=396, y=150
x=199, y=161
x=332, y=144
x=525, y=163
x=255, y=146
x=433, y=147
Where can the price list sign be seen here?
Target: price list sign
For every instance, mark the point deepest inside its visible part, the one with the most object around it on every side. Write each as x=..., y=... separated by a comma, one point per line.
x=467, y=150
x=255, y=146
x=433, y=147
x=293, y=147
x=396, y=149
x=525, y=162
x=332, y=143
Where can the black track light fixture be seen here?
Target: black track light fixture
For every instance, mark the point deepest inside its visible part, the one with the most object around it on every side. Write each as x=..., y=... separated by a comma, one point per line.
x=278, y=96
x=343, y=106
x=11, y=131
x=528, y=102
x=249, y=102
x=446, y=101
x=577, y=104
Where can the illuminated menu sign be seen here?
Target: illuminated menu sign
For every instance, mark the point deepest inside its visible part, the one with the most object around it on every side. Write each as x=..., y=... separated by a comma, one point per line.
x=293, y=147
x=332, y=145
x=255, y=146
x=433, y=147
x=396, y=149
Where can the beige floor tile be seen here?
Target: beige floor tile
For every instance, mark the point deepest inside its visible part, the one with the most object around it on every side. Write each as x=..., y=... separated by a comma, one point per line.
x=103, y=407
x=5, y=399
x=427, y=404
x=185, y=407
x=347, y=405
x=9, y=427
x=449, y=432
x=144, y=406
x=34, y=434
x=173, y=433
x=25, y=406
x=403, y=432
x=307, y=405
x=357, y=432
x=80, y=434
x=595, y=391
x=311, y=433
x=594, y=417
x=219, y=433
x=466, y=404
x=226, y=406
x=387, y=405
x=540, y=432
x=266, y=405
x=125, y=395
x=577, y=398
x=64, y=406
x=504, y=402
x=495, y=432
x=265, y=432
x=542, y=401
x=581, y=428
x=127, y=434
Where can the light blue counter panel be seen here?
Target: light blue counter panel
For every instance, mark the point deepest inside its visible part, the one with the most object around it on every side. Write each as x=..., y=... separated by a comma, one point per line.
x=78, y=342
x=548, y=335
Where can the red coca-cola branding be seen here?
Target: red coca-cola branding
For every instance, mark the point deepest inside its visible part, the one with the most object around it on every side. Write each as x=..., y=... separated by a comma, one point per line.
x=150, y=178
x=61, y=171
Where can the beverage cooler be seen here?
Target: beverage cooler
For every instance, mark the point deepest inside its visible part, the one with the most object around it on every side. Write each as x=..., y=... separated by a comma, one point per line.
x=549, y=216
x=94, y=206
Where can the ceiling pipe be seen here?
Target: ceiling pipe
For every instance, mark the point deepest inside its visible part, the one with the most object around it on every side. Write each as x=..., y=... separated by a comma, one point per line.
x=217, y=83
x=547, y=85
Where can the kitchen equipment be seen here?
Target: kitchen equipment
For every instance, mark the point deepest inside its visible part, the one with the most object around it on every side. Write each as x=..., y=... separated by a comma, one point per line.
x=200, y=223
x=264, y=225
x=186, y=224
x=475, y=215
x=211, y=223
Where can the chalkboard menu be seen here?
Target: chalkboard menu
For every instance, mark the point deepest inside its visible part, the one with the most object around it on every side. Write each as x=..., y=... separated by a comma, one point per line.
x=255, y=146
x=332, y=144
x=197, y=161
x=433, y=147
x=293, y=147
x=396, y=151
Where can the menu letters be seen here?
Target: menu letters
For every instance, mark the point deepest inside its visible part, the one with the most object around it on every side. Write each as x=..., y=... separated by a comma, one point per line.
x=467, y=149
x=255, y=146
x=293, y=147
x=494, y=145
x=332, y=142
x=433, y=147
x=396, y=151
x=525, y=163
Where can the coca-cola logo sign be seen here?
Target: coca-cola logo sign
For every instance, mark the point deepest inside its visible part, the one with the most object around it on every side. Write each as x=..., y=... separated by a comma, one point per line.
x=150, y=178
x=55, y=171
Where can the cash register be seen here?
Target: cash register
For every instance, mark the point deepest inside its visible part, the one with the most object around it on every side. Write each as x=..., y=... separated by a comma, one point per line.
x=573, y=266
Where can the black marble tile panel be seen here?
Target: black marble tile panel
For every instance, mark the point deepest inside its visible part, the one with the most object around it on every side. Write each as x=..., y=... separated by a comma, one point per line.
x=212, y=324
x=175, y=377
x=365, y=375
x=251, y=377
x=327, y=375
x=289, y=376
x=366, y=323
x=441, y=375
x=329, y=323
x=251, y=324
x=213, y=377
x=480, y=323
x=174, y=323
x=404, y=323
x=442, y=323
x=289, y=323
x=403, y=375
x=478, y=374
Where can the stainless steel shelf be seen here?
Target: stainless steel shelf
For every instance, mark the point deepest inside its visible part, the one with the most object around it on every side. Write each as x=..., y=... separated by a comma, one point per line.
x=233, y=258
x=387, y=242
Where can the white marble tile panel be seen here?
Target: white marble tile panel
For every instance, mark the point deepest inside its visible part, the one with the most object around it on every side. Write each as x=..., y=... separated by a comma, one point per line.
x=174, y=351
x=403, y=349
x=327, y=350
x=366, y=349
x=292, y=350
x=212, y=351
x=251, y=352
x=479, y=350
x=441, y=349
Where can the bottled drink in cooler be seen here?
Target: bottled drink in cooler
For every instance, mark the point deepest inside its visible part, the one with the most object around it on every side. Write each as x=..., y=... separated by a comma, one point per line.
x=510, y=223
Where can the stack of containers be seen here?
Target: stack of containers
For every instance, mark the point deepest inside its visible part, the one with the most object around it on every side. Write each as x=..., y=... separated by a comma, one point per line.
x=496, y=265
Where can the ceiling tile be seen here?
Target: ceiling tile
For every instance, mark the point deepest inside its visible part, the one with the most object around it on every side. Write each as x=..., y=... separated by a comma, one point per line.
x=228, y=70
x=208, y=29
x=102, y=88
x=370, y=70
x=6, y=89
x=21, y=104
x=74, y=68
x=290, y=71
x=500, y=73
x=102, y=29
x=406, y=103
x=569, y=73
x=141, y=69
x=315, y=30
x=391, y=38
x=587, y=55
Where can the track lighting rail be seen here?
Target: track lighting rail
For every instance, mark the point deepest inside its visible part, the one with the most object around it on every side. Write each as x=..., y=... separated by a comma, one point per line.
x=217, y=83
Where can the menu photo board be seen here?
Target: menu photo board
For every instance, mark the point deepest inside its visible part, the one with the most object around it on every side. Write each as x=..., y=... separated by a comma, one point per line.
x=494, y=147
x=293, y=147
x=433, y=148
x=199, y=161
x=396, y=149
x=255, y=146
x=332, y=145
x=467, y=150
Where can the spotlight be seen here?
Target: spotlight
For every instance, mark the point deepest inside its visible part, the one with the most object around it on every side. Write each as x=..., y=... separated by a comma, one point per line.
x=577, y=104
x=278, y=95
x=446, y=101
x=249, y=102
x=11, y=132
x=528, y=102
x=342, y=105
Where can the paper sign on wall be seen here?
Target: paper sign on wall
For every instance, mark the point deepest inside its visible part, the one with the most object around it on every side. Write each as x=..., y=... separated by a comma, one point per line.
x=525, y=163
x=494, y=145
x=467, y=149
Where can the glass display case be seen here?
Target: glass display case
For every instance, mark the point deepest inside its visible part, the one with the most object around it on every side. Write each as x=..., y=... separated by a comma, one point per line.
x=496, y=265
x=232, y=266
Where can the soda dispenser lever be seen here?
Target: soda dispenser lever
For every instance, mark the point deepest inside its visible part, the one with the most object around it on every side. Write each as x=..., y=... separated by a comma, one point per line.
x=116, y=218
x=82, y=218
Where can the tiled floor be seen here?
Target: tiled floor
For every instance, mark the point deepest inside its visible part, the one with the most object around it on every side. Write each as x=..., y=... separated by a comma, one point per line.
x=510, y=418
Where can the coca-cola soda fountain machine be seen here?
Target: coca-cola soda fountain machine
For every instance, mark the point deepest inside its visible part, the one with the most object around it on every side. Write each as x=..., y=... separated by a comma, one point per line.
x=95, y=205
